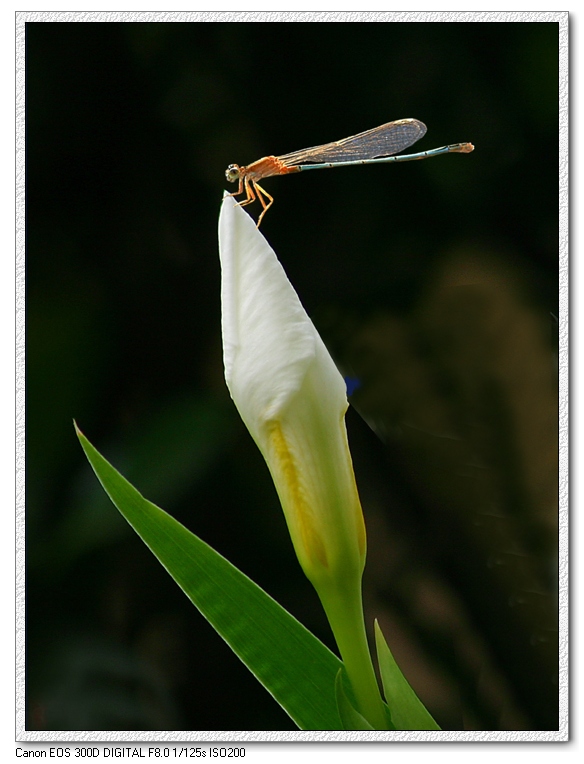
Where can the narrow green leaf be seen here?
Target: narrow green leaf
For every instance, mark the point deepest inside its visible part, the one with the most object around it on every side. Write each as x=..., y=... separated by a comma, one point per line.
x=295, y=667
x=407, y=710
x=351, y=718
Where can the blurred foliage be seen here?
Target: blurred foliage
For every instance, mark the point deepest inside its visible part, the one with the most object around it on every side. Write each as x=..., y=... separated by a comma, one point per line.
x=434, y=284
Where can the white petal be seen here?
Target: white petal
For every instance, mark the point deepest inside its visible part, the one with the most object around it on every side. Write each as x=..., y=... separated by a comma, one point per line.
x=268, y=339
x=292, y=399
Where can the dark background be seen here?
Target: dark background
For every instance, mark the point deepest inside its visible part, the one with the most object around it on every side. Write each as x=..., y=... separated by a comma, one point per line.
x=433, y=283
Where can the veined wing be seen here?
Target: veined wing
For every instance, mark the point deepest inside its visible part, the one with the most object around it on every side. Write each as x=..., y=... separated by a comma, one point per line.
x=381, y=141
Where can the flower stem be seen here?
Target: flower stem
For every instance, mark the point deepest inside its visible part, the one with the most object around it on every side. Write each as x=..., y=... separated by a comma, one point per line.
x=345, y=614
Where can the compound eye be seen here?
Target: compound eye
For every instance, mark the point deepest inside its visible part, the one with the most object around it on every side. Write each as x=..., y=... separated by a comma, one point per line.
x=232, y=173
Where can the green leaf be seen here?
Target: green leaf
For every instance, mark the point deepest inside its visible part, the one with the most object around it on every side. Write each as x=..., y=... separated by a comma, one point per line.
x=352, y=719
x=407, y=710
x=295, y=667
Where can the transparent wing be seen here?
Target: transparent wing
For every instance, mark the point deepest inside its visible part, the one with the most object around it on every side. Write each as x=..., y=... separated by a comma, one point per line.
x=381, y=141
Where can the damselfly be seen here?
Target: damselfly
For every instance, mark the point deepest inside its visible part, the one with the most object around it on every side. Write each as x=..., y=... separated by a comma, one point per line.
x=370, y=147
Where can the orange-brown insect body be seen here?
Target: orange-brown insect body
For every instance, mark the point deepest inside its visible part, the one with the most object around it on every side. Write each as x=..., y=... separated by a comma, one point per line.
x=249, y=175
x=266, y=167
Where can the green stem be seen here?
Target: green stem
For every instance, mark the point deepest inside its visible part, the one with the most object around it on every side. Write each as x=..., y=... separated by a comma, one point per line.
x=345, y=614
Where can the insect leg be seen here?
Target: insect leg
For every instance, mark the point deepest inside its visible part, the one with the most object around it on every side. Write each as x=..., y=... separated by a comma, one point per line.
x=260, y=191
x=250, y=194
x=239, y=190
